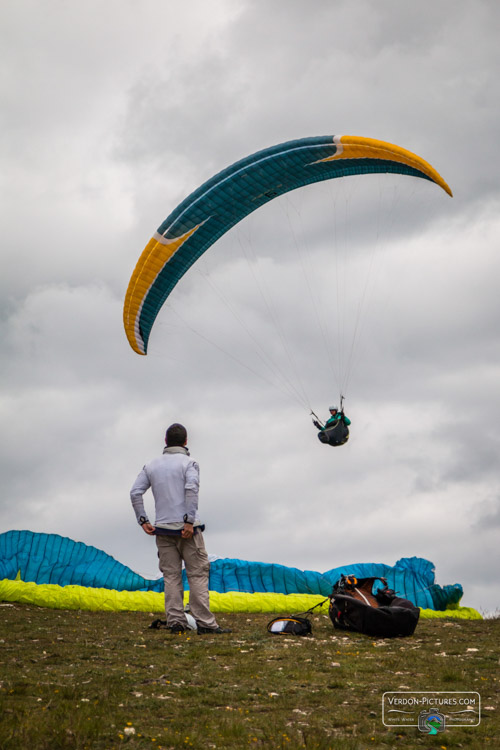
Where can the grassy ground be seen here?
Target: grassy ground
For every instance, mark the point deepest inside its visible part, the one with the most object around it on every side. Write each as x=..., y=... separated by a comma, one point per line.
x=73, y=679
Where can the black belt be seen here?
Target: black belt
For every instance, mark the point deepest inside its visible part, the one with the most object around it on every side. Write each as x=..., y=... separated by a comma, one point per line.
x=159, y=531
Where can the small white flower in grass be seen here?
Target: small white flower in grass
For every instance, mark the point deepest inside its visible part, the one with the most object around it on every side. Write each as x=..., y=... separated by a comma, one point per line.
x=273, y=695
x=472, y=649
x=334, y=664
x=129, y=731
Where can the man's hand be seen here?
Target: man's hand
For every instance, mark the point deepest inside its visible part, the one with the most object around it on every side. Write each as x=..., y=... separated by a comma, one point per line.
x=187, y=531
x=148, y=528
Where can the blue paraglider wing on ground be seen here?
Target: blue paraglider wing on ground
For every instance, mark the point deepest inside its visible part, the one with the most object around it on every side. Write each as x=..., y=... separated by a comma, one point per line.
x=50, y=558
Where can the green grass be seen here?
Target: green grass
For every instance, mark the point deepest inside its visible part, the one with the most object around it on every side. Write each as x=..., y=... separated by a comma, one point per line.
x=86, y=680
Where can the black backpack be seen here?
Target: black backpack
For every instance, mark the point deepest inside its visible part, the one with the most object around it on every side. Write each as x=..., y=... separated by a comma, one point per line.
x=385, y=615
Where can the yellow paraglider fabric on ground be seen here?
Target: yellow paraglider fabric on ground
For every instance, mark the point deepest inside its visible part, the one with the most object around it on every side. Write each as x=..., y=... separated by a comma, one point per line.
x=80, y=597
x=460, y=613
x=98, y=599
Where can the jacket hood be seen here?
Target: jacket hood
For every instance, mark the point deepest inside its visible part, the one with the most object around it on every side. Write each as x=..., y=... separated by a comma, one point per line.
x=176, y=449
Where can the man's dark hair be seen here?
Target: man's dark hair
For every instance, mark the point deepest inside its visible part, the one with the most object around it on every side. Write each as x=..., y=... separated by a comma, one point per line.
x=176, y=435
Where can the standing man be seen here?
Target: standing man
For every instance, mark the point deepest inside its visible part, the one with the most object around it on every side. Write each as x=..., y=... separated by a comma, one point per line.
x=174, y=479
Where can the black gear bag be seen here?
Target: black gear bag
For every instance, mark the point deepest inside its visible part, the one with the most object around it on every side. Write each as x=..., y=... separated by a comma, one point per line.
x=383, y=614
x=290, y=625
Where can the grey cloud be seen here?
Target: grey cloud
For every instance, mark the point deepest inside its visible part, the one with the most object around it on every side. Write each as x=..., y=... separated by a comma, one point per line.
x=487, y=515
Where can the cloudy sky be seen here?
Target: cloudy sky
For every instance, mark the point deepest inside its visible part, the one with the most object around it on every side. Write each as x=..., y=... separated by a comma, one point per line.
x=112, y=112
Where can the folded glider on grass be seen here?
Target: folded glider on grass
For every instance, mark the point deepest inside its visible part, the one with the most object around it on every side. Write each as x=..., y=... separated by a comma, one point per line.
x=54, y=571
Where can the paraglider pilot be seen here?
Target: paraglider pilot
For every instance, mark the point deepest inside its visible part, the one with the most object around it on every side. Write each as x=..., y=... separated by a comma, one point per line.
x=335, y=416
x=336, y=429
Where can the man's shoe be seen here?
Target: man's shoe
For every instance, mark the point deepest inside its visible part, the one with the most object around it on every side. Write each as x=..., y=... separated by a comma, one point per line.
x=177, y=628
x=157, y=624
x=211, y=631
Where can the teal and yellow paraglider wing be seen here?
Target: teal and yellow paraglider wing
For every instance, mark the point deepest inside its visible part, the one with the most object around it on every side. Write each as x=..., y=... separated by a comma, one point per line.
x=229, y=196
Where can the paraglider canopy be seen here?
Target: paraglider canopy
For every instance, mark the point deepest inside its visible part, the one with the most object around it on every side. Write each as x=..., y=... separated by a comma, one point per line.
x=224, y=200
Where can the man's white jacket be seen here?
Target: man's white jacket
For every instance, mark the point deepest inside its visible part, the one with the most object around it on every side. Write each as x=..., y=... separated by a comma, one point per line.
x=174, y=479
